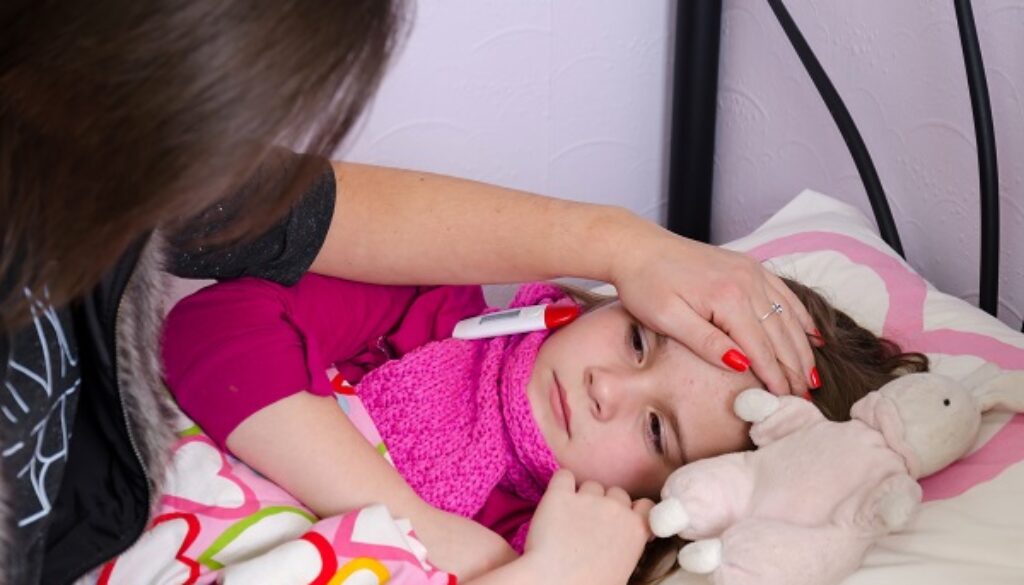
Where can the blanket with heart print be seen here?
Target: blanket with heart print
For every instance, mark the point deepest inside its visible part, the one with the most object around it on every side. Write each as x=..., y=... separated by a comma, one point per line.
x=221, y=522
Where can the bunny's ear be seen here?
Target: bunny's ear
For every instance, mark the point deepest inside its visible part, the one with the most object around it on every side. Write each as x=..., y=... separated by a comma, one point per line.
x=1004, y=392
x=983, y=374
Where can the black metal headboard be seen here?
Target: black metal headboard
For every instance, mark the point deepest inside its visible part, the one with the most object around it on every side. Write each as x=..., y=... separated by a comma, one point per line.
x=695, y=95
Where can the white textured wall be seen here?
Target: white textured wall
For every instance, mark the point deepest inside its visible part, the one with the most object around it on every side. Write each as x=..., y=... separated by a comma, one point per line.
x=899, y=68
x=565, y=98
x=569, y=98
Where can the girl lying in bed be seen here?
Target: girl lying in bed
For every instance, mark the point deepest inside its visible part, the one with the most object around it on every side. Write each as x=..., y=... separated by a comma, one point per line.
x=477, y=429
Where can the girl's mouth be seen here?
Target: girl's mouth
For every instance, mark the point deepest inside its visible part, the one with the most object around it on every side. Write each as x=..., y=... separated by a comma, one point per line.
x=560, y=406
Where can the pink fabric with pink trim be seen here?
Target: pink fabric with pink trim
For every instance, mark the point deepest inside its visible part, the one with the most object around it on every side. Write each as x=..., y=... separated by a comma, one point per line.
x=904, y=323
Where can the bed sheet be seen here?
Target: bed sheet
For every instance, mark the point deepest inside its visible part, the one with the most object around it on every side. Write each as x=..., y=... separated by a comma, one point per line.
x=221, y=522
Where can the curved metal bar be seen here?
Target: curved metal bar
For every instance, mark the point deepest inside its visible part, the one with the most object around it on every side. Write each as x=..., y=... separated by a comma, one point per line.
x=988, y=173
x=694, y=103
x=843, y=119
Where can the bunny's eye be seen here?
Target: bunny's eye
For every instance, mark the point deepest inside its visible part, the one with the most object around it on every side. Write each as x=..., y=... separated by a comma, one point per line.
x=945, y=402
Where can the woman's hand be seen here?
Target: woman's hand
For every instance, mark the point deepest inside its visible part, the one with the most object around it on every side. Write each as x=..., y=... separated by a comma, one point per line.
x=716, y=302
x=586, y=535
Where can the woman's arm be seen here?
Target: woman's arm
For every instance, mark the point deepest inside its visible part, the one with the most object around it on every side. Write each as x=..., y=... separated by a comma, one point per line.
x=405, y=227
x=306, y=445
x=395, y=226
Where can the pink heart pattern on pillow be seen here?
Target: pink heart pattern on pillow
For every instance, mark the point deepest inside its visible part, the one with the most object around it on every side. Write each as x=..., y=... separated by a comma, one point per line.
x=215, y=518
x=904, y=323
x=211, y=490
x=180, y=569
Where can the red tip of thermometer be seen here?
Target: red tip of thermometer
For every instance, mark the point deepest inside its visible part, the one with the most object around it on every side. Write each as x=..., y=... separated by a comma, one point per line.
x=513, y=321
x=556, y=316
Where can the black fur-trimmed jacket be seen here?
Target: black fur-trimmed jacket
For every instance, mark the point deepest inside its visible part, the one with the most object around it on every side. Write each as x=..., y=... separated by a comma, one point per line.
x=121, y=431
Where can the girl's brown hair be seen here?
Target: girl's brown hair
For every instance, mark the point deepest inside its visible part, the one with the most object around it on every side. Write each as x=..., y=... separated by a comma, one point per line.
x=119, y=115
x=851, y=362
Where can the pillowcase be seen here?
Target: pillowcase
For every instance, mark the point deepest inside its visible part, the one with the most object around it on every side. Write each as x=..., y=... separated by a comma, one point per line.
x=970, y=528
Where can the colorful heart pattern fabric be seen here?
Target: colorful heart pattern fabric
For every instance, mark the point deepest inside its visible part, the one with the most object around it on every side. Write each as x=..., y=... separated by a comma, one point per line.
x=221, y=522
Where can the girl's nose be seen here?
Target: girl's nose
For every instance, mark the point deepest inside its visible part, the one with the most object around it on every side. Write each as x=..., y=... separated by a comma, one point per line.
x=606, y=392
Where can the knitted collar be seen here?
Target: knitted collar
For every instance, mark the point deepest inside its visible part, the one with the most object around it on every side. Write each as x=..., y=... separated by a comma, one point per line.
x=456, y=419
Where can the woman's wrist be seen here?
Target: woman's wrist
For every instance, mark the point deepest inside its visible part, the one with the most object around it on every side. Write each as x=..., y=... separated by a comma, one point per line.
x=629, y=242
x=607, y=240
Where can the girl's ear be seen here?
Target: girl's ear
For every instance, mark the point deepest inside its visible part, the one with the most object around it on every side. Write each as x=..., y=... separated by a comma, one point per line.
x=1003, y=392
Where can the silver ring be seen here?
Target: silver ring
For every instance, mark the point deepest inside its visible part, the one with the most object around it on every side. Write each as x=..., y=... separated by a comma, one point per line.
x=776, y=308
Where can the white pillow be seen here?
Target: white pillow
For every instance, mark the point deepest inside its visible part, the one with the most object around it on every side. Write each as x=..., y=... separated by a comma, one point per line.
x=971, y=526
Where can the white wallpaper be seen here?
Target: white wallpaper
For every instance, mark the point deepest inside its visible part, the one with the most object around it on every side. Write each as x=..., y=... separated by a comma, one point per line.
x=899, y=67
x=566, y=98
x=569, y=98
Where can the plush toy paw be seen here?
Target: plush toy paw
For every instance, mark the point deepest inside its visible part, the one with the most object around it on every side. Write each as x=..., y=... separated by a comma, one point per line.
x=755, y=405
x=896, y=510
x=702, y=556
x=668, y=517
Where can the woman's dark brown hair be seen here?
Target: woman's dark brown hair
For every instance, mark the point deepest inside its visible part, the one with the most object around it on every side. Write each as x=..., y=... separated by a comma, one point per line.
x=119, y=115
x=851, y=362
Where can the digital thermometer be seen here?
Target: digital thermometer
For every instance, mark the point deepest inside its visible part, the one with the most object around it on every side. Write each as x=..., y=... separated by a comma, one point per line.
x=512, y=321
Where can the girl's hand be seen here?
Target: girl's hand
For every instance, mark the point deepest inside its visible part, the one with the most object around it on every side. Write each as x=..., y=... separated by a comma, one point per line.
x=715, y=302
x=586, y=535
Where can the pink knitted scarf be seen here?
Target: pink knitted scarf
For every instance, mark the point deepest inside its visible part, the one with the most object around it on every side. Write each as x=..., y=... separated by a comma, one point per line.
x=456, y=419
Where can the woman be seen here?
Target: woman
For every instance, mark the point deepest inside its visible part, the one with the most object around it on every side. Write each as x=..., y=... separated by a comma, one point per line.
x=136, y=136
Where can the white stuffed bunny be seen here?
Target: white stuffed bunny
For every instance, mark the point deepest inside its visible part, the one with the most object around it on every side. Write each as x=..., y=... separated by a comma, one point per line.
x=805, y=506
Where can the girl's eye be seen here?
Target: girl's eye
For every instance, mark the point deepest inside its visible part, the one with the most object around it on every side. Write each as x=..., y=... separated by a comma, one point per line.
x=654, y=431
x=636, y=342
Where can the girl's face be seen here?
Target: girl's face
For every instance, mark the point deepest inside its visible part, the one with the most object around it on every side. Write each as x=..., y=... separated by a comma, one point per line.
x=623, y=406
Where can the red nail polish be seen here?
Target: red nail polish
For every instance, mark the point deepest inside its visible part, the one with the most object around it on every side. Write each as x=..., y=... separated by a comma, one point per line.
x=736, y=360
x=818, y=337
x=815, y=380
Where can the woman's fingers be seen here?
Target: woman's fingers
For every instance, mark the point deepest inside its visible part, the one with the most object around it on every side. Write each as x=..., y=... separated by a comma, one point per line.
x=802, y=330
x=720, y=343
x=750, y=334
x=711, y=300
x=797, y=308
x=778, y=325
